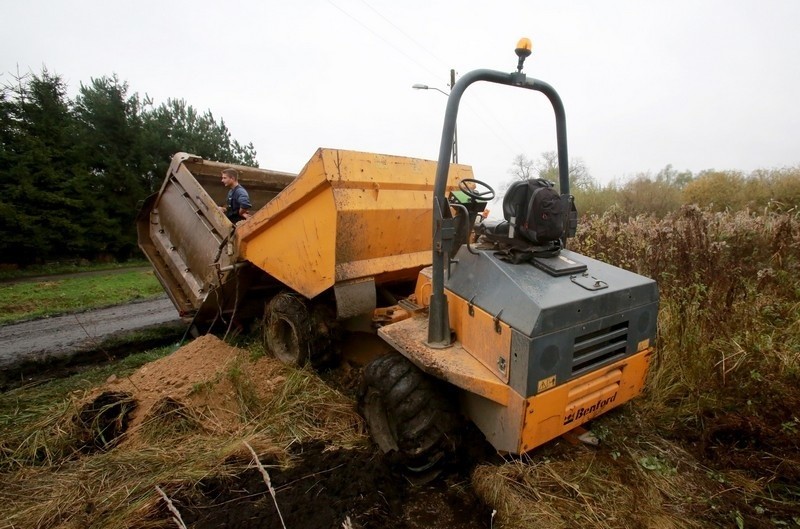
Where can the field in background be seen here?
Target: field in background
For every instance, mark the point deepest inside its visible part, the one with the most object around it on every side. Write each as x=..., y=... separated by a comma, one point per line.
x=10, y=273
x=58, y=295
x=714, y=442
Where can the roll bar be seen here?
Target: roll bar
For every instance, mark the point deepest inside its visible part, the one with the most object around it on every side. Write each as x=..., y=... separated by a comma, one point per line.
x=443, y=222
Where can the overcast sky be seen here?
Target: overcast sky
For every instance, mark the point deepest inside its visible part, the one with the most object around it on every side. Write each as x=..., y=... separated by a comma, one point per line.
x=696, y=84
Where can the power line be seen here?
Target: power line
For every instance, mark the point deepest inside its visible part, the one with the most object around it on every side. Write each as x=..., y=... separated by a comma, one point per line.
x=469, y=107
x=409, y=37
x=378, y=35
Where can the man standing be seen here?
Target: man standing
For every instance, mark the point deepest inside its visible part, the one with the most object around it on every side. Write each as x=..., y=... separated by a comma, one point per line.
x=238, y=204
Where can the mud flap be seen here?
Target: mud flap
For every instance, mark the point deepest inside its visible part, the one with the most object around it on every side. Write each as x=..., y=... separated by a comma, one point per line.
x=354, y=298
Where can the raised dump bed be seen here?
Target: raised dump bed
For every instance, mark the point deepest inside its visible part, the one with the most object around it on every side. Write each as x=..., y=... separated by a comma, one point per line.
x=185, y=236
x=348, y=222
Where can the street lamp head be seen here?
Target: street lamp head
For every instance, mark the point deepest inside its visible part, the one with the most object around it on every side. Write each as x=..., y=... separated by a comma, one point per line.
x=419, y=86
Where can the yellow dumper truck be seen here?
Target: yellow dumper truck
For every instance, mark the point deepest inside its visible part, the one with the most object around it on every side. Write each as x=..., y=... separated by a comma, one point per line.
x=349, y=234
x=497, y=322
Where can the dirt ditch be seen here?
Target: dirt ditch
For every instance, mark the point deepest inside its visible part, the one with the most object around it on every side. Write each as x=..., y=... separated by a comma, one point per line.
x=323, y=486
x=332, y=489
x=181, y=423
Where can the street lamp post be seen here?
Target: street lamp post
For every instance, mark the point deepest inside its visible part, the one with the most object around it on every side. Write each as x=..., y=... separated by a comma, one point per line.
x=455, y=130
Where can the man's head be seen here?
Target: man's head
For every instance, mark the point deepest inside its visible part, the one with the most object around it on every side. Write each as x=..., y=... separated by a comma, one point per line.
x=230, y=177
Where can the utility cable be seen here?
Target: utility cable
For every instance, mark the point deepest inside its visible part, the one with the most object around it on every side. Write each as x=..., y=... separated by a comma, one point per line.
x=513, y=150
x=406, y=35
x=388, y=43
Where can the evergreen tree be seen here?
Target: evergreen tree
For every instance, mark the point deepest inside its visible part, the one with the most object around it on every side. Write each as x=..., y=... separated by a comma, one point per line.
x=111, y=144
x=176, y=126
x=73, y=174
x=38, y=204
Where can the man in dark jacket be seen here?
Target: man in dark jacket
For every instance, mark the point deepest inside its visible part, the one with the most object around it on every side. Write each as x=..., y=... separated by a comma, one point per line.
x=238, y=203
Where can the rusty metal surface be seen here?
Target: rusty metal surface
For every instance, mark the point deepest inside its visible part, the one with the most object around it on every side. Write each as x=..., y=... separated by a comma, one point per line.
x=349, y=215
x=184, y=234
x=454, y=364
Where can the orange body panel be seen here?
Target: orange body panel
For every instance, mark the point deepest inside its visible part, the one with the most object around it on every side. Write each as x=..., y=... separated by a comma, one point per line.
x=521, y=424
x=563, y=408
x=477, y=333
x=487, y=341
x=348, y=215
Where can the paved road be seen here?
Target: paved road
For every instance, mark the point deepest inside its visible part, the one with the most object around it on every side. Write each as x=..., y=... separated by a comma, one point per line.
x=62, y=336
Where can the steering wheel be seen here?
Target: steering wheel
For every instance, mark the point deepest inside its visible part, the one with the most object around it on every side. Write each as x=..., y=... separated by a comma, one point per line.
x=485, y=195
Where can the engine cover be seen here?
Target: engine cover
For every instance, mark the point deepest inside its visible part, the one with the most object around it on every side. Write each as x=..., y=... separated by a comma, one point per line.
x=562, y=326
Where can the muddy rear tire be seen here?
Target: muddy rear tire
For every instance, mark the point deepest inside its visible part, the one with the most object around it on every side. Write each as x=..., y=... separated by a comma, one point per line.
x=297, y=332
x=408, y=412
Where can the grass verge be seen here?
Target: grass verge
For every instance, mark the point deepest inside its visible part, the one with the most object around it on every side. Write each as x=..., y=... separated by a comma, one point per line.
x=23, y=301
x=179, y=445
x=67, y=267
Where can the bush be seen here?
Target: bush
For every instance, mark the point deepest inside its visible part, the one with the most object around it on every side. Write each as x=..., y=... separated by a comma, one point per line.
x=730, y=295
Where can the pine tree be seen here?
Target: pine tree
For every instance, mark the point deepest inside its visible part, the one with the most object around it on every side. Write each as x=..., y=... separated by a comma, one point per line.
x=72, y=175
x=38, y=204
x=111, y=144
x=176, y=126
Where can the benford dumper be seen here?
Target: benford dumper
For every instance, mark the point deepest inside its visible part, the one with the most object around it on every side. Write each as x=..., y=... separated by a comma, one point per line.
x=511, y=330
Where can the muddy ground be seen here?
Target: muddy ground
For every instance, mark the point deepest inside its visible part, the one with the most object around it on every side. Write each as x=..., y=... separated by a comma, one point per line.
x=324, y=487
x=328, y=488
x=738, y=463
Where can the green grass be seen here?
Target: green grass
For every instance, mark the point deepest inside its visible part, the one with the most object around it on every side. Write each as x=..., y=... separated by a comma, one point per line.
x=65, y=267
x=22, y=301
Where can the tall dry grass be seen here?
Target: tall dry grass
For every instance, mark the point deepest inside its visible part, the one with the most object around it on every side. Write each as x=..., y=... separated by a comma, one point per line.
x=51, y=482
x=730, y=295
x=728, y=350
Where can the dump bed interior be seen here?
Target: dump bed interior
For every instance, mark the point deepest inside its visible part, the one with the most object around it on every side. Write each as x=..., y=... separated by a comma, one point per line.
x=185, y=236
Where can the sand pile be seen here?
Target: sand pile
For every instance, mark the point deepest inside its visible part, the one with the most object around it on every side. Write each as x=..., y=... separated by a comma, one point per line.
x=194, y=386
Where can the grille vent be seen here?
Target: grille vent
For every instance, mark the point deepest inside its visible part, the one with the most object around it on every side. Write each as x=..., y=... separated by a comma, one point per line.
x=599, y=347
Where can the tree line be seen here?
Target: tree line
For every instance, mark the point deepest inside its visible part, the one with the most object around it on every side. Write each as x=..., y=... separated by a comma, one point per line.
x=776, y=190
x=74, y=171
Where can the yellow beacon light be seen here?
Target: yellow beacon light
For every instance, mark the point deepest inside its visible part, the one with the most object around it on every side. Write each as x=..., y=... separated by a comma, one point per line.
x=524, y=47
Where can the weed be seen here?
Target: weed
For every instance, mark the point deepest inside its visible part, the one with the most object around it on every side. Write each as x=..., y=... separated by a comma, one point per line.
x=202, y=388
x=657, y=464
x=738, y=519
x=791, y=427
x=244, y=389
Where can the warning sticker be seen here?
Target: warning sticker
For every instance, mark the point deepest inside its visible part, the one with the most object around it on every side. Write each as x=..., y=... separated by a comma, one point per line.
x=546, y=383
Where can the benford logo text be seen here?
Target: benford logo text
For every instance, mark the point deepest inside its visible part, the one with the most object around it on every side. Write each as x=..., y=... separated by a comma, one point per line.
x=588, y=410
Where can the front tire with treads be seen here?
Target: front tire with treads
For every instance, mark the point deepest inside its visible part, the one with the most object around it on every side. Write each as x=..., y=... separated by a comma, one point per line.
x=409, y=412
